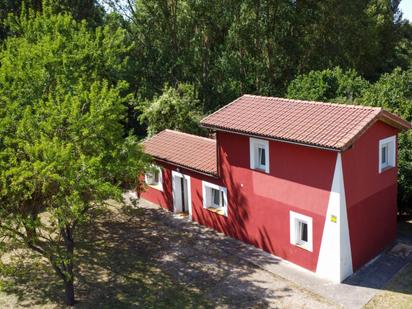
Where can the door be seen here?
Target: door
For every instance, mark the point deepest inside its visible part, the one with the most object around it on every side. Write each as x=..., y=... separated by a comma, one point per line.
x=181, y=193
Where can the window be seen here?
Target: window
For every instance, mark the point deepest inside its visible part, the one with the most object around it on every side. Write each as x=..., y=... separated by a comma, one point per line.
x=387, y=153
x=259, y=154
x=301, y=231
x=214, y=198
x=153, y=177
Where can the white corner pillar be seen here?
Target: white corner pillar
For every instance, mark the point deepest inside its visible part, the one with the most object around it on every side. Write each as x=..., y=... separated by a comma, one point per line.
x=335, y=256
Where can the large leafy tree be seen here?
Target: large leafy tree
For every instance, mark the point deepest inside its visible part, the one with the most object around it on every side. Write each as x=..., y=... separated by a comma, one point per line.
x=393, y=91
x=89, y=10
x=227, y=47
x=63, y=149
x=177, y=108
x=260, y=48
x=328, y=85
x=352, y=34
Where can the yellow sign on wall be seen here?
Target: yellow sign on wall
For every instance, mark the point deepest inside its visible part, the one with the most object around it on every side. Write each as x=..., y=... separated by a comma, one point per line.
x=333, y=218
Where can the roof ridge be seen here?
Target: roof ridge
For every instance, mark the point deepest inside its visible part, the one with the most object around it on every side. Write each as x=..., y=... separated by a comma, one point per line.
x=313, y=102
x=188, y=134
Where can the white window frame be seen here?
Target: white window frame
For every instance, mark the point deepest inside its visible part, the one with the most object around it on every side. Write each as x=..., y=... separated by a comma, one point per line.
x=390, y=143
x=159, y=185
x=254, y=145
x=189, y=192
x=295, y=218
x=208, y=204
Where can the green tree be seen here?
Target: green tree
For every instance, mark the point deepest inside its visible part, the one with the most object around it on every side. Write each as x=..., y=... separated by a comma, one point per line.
x=328, y=85
x=89, y=10
x=63, y=149
x=177, y=108
x=393, y=91
x=352, y=34
x=258, y=46
x=259, y=51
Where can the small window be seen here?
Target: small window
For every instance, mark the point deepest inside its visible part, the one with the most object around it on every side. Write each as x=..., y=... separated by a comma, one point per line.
x=153, y=177
x=301, y=231
x=387, y=153
x=215, y=198
x=218, y=199
x=259, y=154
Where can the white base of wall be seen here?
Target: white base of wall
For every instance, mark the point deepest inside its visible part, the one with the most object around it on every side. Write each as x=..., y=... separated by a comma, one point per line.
x=335, y=256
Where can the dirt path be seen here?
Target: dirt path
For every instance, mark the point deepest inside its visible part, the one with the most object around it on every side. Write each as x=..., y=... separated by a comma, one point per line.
x=192, y=254
x=144, y=257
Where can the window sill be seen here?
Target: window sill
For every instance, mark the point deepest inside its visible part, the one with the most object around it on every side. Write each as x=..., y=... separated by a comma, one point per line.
x=387, y=168
x=303, y=246
x=156, y=187
x=218, y=211
x=260, y=170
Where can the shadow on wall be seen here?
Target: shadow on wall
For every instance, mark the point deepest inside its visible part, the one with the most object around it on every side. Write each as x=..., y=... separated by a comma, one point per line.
x=167, y=190
x=235, y=225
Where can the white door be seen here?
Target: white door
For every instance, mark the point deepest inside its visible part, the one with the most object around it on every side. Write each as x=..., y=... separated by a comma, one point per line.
x=182, y=201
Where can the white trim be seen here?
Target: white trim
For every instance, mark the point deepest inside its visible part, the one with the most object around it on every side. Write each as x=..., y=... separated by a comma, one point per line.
x=390, y=142
x=254, y=143
x=294, y=218
x=189, y=192
x=335, y=255
x=159, y=186
x=205, y=185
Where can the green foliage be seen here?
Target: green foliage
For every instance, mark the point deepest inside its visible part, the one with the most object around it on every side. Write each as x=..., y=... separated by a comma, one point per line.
x=405, y=172
x=328, y=85
x=393, y=91
x=89, y=10
x=63, y=149
x=259, y=46
x=177, y=108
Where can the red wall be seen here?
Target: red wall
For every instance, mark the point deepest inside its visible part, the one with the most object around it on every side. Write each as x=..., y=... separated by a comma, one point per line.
x=165, y=198
x=300, y=180
x=258, y=204
x=370, y=196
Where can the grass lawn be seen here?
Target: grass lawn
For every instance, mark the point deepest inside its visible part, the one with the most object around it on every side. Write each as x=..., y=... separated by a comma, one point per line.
x=112, y=273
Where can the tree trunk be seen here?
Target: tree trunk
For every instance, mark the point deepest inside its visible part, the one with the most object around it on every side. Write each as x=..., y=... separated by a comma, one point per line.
x=67, y=235
x=69, y=292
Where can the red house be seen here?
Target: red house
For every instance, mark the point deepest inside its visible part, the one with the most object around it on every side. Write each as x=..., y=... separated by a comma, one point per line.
x=313, y=183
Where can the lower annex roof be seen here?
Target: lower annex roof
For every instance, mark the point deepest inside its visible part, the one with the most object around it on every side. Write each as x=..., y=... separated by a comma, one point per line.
x=186, y=150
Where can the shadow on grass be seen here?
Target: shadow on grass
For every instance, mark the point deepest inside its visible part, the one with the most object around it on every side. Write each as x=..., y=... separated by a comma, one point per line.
x=134, y=257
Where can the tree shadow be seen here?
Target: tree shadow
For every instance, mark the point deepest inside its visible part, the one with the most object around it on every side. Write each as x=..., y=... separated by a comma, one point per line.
x=29, y=278
x=147, y=258
x=237, y=224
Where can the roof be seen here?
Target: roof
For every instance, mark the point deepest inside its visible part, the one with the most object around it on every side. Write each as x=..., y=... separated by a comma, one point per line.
x=317, y=124
x=186, y=150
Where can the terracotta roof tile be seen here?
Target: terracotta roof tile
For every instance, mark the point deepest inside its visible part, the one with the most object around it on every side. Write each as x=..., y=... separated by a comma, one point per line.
x=186, y=150
x=319, y=124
